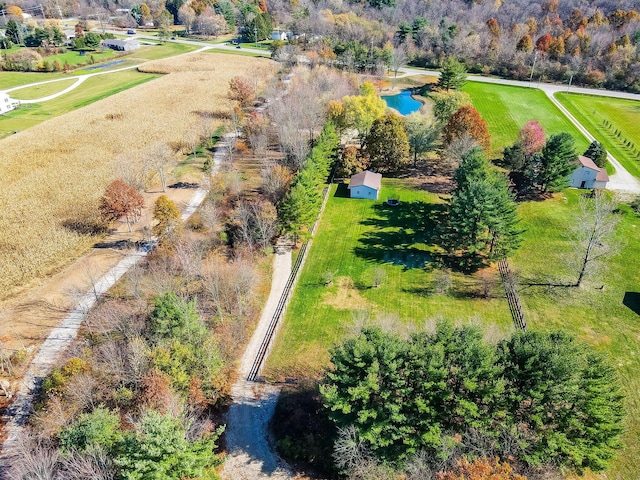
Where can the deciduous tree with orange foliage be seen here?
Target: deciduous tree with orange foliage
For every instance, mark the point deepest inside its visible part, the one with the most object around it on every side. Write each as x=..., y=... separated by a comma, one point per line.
x=467, y=120
x=480, y=469
x=240, y=89
x=121, y=200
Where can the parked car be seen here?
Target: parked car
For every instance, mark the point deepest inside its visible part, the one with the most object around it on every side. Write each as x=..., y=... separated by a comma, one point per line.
x=131, y=31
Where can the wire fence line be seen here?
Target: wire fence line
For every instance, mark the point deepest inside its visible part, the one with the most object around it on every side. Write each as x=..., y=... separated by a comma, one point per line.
x=509, y=283
x=274, y=325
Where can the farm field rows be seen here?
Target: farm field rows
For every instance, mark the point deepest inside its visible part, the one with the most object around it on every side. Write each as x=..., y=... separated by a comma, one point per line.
x=506, y=109
x=358, y=237
x=52, y=188
x=622, y=115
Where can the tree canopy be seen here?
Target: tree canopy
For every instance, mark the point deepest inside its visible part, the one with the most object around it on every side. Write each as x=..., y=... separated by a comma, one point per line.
x=558, y=400
x=453, y=75
x=559, y=159
x=597, y=153
x=387, y=144
x=482, y=220
x=467, y=121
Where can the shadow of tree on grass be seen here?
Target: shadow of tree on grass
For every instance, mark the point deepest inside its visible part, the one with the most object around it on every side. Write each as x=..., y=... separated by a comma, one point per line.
x=407, y=234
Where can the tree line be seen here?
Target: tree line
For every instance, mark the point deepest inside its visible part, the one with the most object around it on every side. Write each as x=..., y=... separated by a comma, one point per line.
x=542, y=401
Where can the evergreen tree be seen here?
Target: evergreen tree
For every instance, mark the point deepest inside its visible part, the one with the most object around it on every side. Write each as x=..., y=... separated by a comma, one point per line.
x=564, y=398
x=482, y=221
x=597, y=153
x=558, y=160
x=14, y=32
x=453, y=75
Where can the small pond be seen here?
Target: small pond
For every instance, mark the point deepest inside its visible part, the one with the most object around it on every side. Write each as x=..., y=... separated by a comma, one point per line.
x=402, y=102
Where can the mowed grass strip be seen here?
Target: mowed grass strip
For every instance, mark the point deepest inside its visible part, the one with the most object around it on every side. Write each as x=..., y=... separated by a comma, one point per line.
x=44, y=90
x=506, y=109
x=357, y=238
x=54, y=173
x=91, y=90
x=16, y=79
x=605, y=312
x=622, y=114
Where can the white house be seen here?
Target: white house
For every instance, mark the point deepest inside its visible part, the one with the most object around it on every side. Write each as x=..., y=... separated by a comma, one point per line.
x=122, y=45
x=588, y=175
x=365, y=185
x=279, y=35
x=7, y=103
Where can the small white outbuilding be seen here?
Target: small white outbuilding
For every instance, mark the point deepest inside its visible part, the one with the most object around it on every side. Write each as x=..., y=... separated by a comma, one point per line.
x=7, y=103
x=588, y=175
x=365, y=185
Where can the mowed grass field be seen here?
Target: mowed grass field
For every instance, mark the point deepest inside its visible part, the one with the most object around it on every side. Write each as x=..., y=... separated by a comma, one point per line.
x=90, y=91
x=54, y=173
x=43, y=90
x=622, y=115
x=356, y=237
x=506, y=109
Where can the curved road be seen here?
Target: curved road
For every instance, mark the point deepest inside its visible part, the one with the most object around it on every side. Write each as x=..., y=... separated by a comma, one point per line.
x=622, y=180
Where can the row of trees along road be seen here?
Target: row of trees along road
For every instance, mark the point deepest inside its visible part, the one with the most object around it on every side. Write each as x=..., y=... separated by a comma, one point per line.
x=542, y=400
x=301, y=206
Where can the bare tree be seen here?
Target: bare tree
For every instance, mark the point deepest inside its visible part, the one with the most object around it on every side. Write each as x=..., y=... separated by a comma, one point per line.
x=594, y=226
x=34, y=457
x=398, y=59
x=161, y=156
x=94, y=464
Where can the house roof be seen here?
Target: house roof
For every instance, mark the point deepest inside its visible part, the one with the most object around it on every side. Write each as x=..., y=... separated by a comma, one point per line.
x=366, y=178
x=587, y=162
x=602, y=175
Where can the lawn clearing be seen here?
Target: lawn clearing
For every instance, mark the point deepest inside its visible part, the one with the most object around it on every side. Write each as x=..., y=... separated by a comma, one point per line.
x=73, y=57
x=357, y=237
x=44, y=90
x=90, y=91
x=15, y=79
x=54, y=173
x=622, y=115
x=506, y=109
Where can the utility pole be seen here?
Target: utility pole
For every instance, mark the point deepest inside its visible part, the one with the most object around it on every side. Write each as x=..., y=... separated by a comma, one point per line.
x=255, y=34
x=535, y=57
x=570, y=80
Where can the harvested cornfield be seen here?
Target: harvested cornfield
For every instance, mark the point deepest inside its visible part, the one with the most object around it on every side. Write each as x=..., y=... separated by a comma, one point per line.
x=53, y=174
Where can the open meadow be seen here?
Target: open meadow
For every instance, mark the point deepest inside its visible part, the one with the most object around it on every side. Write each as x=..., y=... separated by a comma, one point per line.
x=360, y=239
x=613, y=122
x=54, y=173
x=507, y=109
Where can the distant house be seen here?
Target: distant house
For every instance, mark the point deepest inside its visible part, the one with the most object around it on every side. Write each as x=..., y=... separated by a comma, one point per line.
x=279, y=35
x=365, y=185
x=7, y=103
x=122, y=45
x=588, y=175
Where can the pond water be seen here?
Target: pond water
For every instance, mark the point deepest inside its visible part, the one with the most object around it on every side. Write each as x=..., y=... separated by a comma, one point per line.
x=402, y=102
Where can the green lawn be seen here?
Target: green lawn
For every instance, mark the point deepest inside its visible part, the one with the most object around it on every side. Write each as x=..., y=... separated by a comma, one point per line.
x=15, y=79
x=155, y=52
x=507, y=109
x=74, y=58
x=622, y=115
x=356, y=237
x=92, y=90
x=39, y=91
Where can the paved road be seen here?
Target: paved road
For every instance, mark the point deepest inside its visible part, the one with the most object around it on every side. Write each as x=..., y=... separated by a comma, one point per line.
x=622, y=180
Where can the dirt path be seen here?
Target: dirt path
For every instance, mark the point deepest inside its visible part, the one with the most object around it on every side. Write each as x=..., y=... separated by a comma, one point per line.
x=250, y=454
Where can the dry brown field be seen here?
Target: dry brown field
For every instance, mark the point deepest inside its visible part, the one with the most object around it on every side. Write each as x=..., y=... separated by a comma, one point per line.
x=53, y=174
